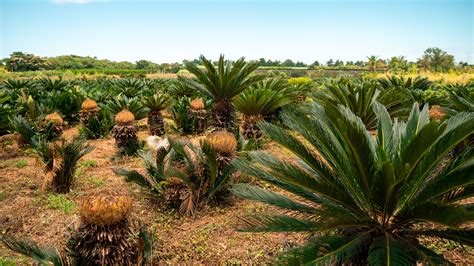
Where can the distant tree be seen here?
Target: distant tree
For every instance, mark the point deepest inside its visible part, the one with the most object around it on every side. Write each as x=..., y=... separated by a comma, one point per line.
x=330, y=62
x=372, y=62
x=398, y=63
x=288, y=63
x=145, y=64
x=349, y=63
x=338, y=63
x=19, y=61
x=300, y=64
x=436, y=59
x=463, y=64
x=359, y=63
x=315, y=63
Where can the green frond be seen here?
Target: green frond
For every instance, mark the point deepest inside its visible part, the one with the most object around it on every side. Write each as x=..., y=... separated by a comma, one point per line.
x=32, y=250
x=225, y=82
x=261, y=101
x=277, y=223
x=388, y=250
x=255, y=193
x=156, y=102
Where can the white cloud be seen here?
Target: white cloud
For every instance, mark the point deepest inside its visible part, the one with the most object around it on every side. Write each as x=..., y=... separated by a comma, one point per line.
x=61, y=2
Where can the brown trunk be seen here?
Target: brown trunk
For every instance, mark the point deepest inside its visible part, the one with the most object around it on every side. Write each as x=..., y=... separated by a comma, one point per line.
x=223, y=115
x=250, y=128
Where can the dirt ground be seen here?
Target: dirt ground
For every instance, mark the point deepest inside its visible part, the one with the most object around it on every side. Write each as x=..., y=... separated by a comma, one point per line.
x=208, y=238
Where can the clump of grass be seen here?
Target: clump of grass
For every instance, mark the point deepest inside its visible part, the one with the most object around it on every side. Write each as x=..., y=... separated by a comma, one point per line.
x=21, y=163
x=98, y=181
x=3, y=195
x=61, y=203
x=88, y=163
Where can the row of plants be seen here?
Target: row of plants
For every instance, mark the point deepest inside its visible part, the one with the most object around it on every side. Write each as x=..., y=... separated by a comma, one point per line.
x=373, y=170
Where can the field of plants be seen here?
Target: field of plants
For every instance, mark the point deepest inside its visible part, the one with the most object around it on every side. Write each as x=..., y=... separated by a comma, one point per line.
x=230, y=164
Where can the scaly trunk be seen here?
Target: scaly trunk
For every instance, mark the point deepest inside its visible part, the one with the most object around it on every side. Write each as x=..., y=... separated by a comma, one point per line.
x=126, y=138
x=223, y=115
x=156, y=125
x=250, y=128
x=199, y=117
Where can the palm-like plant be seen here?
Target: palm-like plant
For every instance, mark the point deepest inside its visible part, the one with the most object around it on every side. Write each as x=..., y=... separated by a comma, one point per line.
x=417, y=83
x=372, y=62
x=129, y=87
x=156, y=103
x=29, y=131
x=222, y=84
x=60, y=160
x=4, y=112
x=418, y=87
x=121, y=102
x=360, y=95
x=260, y=101
x=365, y=199
x=50, y=85
x=185, y=175
x=460, y=99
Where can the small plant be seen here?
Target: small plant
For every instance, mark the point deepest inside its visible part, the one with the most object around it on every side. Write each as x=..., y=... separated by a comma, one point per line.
x=121, y=102
x=184, y=122
x=198, y=114
x=88, y=163
x=96, y=181
x=187, y=176
x=28, y=131
x=60, y=160
x=55, y=122
x=105, y=237
x=97, y=126
x=125, y=133
x=21, y=163
x=156, y=103
x=60, y=202
x=258, y=102
x=5, y=111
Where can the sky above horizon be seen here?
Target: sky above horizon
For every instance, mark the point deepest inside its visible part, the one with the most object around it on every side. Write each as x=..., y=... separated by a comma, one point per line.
x=302, y=30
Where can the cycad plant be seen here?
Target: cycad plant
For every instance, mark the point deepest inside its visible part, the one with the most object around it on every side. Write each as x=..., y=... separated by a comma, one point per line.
x=364, y=199
x=198, y=114
x=121, y=102
x=125, y=133
x=60, y=159
x=4, y=113
x=421, y=89
x=222, y=84
x=258, y=102
x=106, y=236
x=360, y=95
x=53, y=123
x=184, y=175
x=129, y=87
x=156, y=103
x=28, y=131
x=460, y=99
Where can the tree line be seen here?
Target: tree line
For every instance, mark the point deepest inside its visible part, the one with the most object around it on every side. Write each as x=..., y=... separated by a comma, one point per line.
x=433, y=59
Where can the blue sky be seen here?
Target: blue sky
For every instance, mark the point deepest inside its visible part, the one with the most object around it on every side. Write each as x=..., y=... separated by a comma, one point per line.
x=304, y=30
